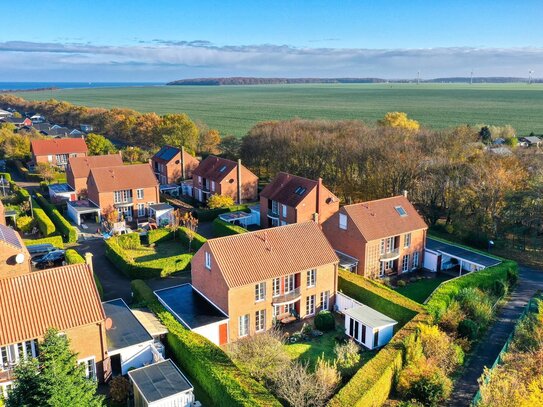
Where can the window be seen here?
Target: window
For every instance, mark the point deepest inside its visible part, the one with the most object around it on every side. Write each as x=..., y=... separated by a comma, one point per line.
x=274, y=207
x=276, y=287
x=289, y=283
x=300, y=190
x=260, y=320
x=243, y=325
x=208, y=260
x=416, y=260
x=390, y=244
x=284, y=207
x=311, y=277
x=90, y=367
x=62, y=158
x=325, y=300
x=401, y=211
x=276, y=310
x=122, y=196
x=283, y=223
x=343, y=221
x=139, y=193
x=407, y=240
x=213, y=186
x=10, y=355
x=260, y=291
x=405, y=263
x=310, y=305
x=222, y=169
x=382, y=247
x=141, y=209
x=199, y=179
x=50, y=158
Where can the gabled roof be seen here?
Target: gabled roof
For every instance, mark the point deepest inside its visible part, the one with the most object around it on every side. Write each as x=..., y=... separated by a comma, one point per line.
x=290, y=189
x=251, y=257
x=59, y=146
x=111, y=179
x=61, y=298
x=533, y=139
x=215, y=168
x=384, y=217
x=9, y=236
x=81, y=166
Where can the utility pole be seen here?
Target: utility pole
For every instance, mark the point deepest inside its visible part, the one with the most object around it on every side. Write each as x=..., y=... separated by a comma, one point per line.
x=530, y=72
x=31, y=208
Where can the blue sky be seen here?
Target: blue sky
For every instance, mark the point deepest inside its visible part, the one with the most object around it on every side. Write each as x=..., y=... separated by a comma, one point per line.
x=165, y=40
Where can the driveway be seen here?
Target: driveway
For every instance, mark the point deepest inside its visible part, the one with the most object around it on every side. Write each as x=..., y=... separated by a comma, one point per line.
x=492, y=343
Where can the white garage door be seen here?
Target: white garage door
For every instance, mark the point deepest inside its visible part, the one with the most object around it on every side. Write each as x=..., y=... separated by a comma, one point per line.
x=430, y=261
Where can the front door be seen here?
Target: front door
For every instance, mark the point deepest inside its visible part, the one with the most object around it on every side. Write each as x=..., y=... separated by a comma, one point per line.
x=223, y=334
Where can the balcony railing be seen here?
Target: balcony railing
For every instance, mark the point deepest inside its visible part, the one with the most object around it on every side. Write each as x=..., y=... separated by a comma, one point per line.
x=391, y=255
x=272, y=214
x=287, y=297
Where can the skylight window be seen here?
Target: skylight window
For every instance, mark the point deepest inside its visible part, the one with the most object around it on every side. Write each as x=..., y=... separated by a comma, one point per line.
x=401, y=211
x=300, y=191
x=222, y=169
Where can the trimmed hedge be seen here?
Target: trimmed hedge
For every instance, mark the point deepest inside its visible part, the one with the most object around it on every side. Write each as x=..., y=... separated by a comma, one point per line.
x=222, y=228
x=129, y=240
x=207, y=215
x=72, y=257
x=6, y=175
x=197, y=242
x=54, y=240
x=209, y=365
x=64, y=227
x=159, y=235
x=165, y=234
x=483, y=279
x=378, y=297
x=45, y=225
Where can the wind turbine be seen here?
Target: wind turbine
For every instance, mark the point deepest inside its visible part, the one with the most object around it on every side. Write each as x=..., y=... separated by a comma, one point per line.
x=530, y=73
x=418, y=77
x=471, y=78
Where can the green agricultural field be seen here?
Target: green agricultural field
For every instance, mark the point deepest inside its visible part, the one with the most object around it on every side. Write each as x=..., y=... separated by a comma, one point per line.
x=235, y=109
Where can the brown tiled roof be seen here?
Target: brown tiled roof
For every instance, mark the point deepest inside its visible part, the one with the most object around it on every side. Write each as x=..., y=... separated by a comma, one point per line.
x=59, y=146
x=80, y=166
x=61, y=298
x=211, y=168
x=123, y=177
x=284, y=186
x=379, y=219
x=251, y=257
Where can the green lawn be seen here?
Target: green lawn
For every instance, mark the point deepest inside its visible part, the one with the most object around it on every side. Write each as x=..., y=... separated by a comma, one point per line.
x=235, y=109
x=161, y=250
x=420, y=290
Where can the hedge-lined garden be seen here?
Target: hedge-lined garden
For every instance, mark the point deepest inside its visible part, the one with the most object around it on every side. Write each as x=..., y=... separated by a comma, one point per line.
x=182, y=233
x=222, y=228
x=207, y=215
x=210, y=366
x=64, y=227
x=45, y=225
x=54, y=240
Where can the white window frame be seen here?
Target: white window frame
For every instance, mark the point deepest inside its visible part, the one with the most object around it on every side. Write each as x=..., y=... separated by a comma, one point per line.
x=407, y=240
x=260, y=291
x=382, y=247
x=275, y=207
x=284, y=210
x=390, y=243
x=415, y=260
x=208, y=260
x=283, y=223
x=199, y=179
x=260, y=320
x=10, y=355
x=213, y=186
x=405, y=263
x=325, y=300
x=122, y=196
x=139, y=193
x=243, y=325
x=90, y=368
x=310, y=305
x=343, y=221
x=290, y=283
x=311, y=278
x=276, y=287
x=141, y=209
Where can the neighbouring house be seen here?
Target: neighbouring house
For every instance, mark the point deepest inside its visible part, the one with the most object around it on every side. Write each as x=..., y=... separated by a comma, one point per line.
x=292, y=199
x=172, y=164
x=531, y=141
x=378, y=238
x=217, y=175
x=86, y=128
x=64, y=298
x=37, y=118
x=161, y=384
x=17, y=121
x=57, y=151
x=5, y=113
x=260, y=278
x=78, y=169
x=130, y=189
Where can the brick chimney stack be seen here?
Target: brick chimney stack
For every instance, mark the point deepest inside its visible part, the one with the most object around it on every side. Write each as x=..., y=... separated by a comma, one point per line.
x=239, y=182
x=88, y=260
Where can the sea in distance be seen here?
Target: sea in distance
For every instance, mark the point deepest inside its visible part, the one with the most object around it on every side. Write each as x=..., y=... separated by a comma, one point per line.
x=14, y=86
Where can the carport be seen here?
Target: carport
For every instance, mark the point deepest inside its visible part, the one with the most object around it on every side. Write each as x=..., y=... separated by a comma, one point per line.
x=439, y=256
x=76, y=209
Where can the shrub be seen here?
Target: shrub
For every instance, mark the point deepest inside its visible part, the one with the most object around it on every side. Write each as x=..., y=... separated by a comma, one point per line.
x=54, y=240
x=67, y=231
x=347, y=357
x=512, y=277
x=324, y=321
x=6, y=176
x=25, y=223
x=45, y=224
x=476, y=304
x=72, y=257
x=129, y=240
x=468, y=329
x=206, y=363
x=439, y=348
x=119, y=389
x=499, y=289
x=219, y=201
x=452, y=317
x=425, y=383
x=222, y=228
x=401, y=283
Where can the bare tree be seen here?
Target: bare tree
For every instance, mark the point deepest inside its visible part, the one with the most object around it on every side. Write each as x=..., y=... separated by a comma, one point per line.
x=175, y=222
x=191, y=224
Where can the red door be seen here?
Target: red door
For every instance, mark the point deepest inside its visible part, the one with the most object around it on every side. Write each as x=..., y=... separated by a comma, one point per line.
x=223, y=334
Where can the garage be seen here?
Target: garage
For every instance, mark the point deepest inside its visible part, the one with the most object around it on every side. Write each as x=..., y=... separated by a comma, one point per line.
x=443, y=256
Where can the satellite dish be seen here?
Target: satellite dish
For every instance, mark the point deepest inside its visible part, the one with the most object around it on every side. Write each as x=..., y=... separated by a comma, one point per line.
x=20, y=258
x=109, y=323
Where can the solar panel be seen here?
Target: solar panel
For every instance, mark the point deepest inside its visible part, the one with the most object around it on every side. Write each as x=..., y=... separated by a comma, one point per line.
x=169, y=153
x=401, y=211
x=300, y=191
x=8, y=235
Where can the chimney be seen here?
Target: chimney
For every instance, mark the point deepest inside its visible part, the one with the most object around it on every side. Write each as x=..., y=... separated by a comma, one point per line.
x=183, y=175
x=239, y=182
x=404, y=192
x=319, y=197
x=88, y=260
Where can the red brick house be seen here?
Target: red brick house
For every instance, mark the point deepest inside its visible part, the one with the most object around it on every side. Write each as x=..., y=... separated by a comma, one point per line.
x=128, y=188
x=292, y=199
x=261, y=277
x=217, y=175
x=64, y=298
x=172, y=164
x=57, y=151
x=378, y=238
x=78, y=169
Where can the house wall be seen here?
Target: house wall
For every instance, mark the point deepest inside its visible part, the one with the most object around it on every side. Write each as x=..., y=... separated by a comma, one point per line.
x=88, y=341
x=45, y=158
x=106, y=199
x=135, y=356
x=210, y=283
x=211, y=331
x=8, y=266
x=229, y=185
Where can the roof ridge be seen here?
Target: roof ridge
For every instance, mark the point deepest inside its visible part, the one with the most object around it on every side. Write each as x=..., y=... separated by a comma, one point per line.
x=374, y=200
x=254, y=232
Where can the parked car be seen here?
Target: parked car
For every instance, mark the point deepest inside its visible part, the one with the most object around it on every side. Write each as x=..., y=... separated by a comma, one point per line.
x=54, y=258
x=43, y=248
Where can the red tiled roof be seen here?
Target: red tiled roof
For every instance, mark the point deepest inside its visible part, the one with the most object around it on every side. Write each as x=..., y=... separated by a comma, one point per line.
x=283, y=189
x=124, y=177
x=61, y=298
x=59, y=146
x=251, y=257
x=379, y=219
x=211, y=168
x=80, y=166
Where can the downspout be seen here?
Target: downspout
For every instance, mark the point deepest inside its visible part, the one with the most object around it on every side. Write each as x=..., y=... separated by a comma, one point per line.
x=239, y=182
x=183, y=175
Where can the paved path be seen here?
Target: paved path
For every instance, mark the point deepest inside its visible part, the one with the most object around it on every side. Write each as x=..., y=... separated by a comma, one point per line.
x=492, y=343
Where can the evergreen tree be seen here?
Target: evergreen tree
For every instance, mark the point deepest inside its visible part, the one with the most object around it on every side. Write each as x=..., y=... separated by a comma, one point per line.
x=55, y=379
